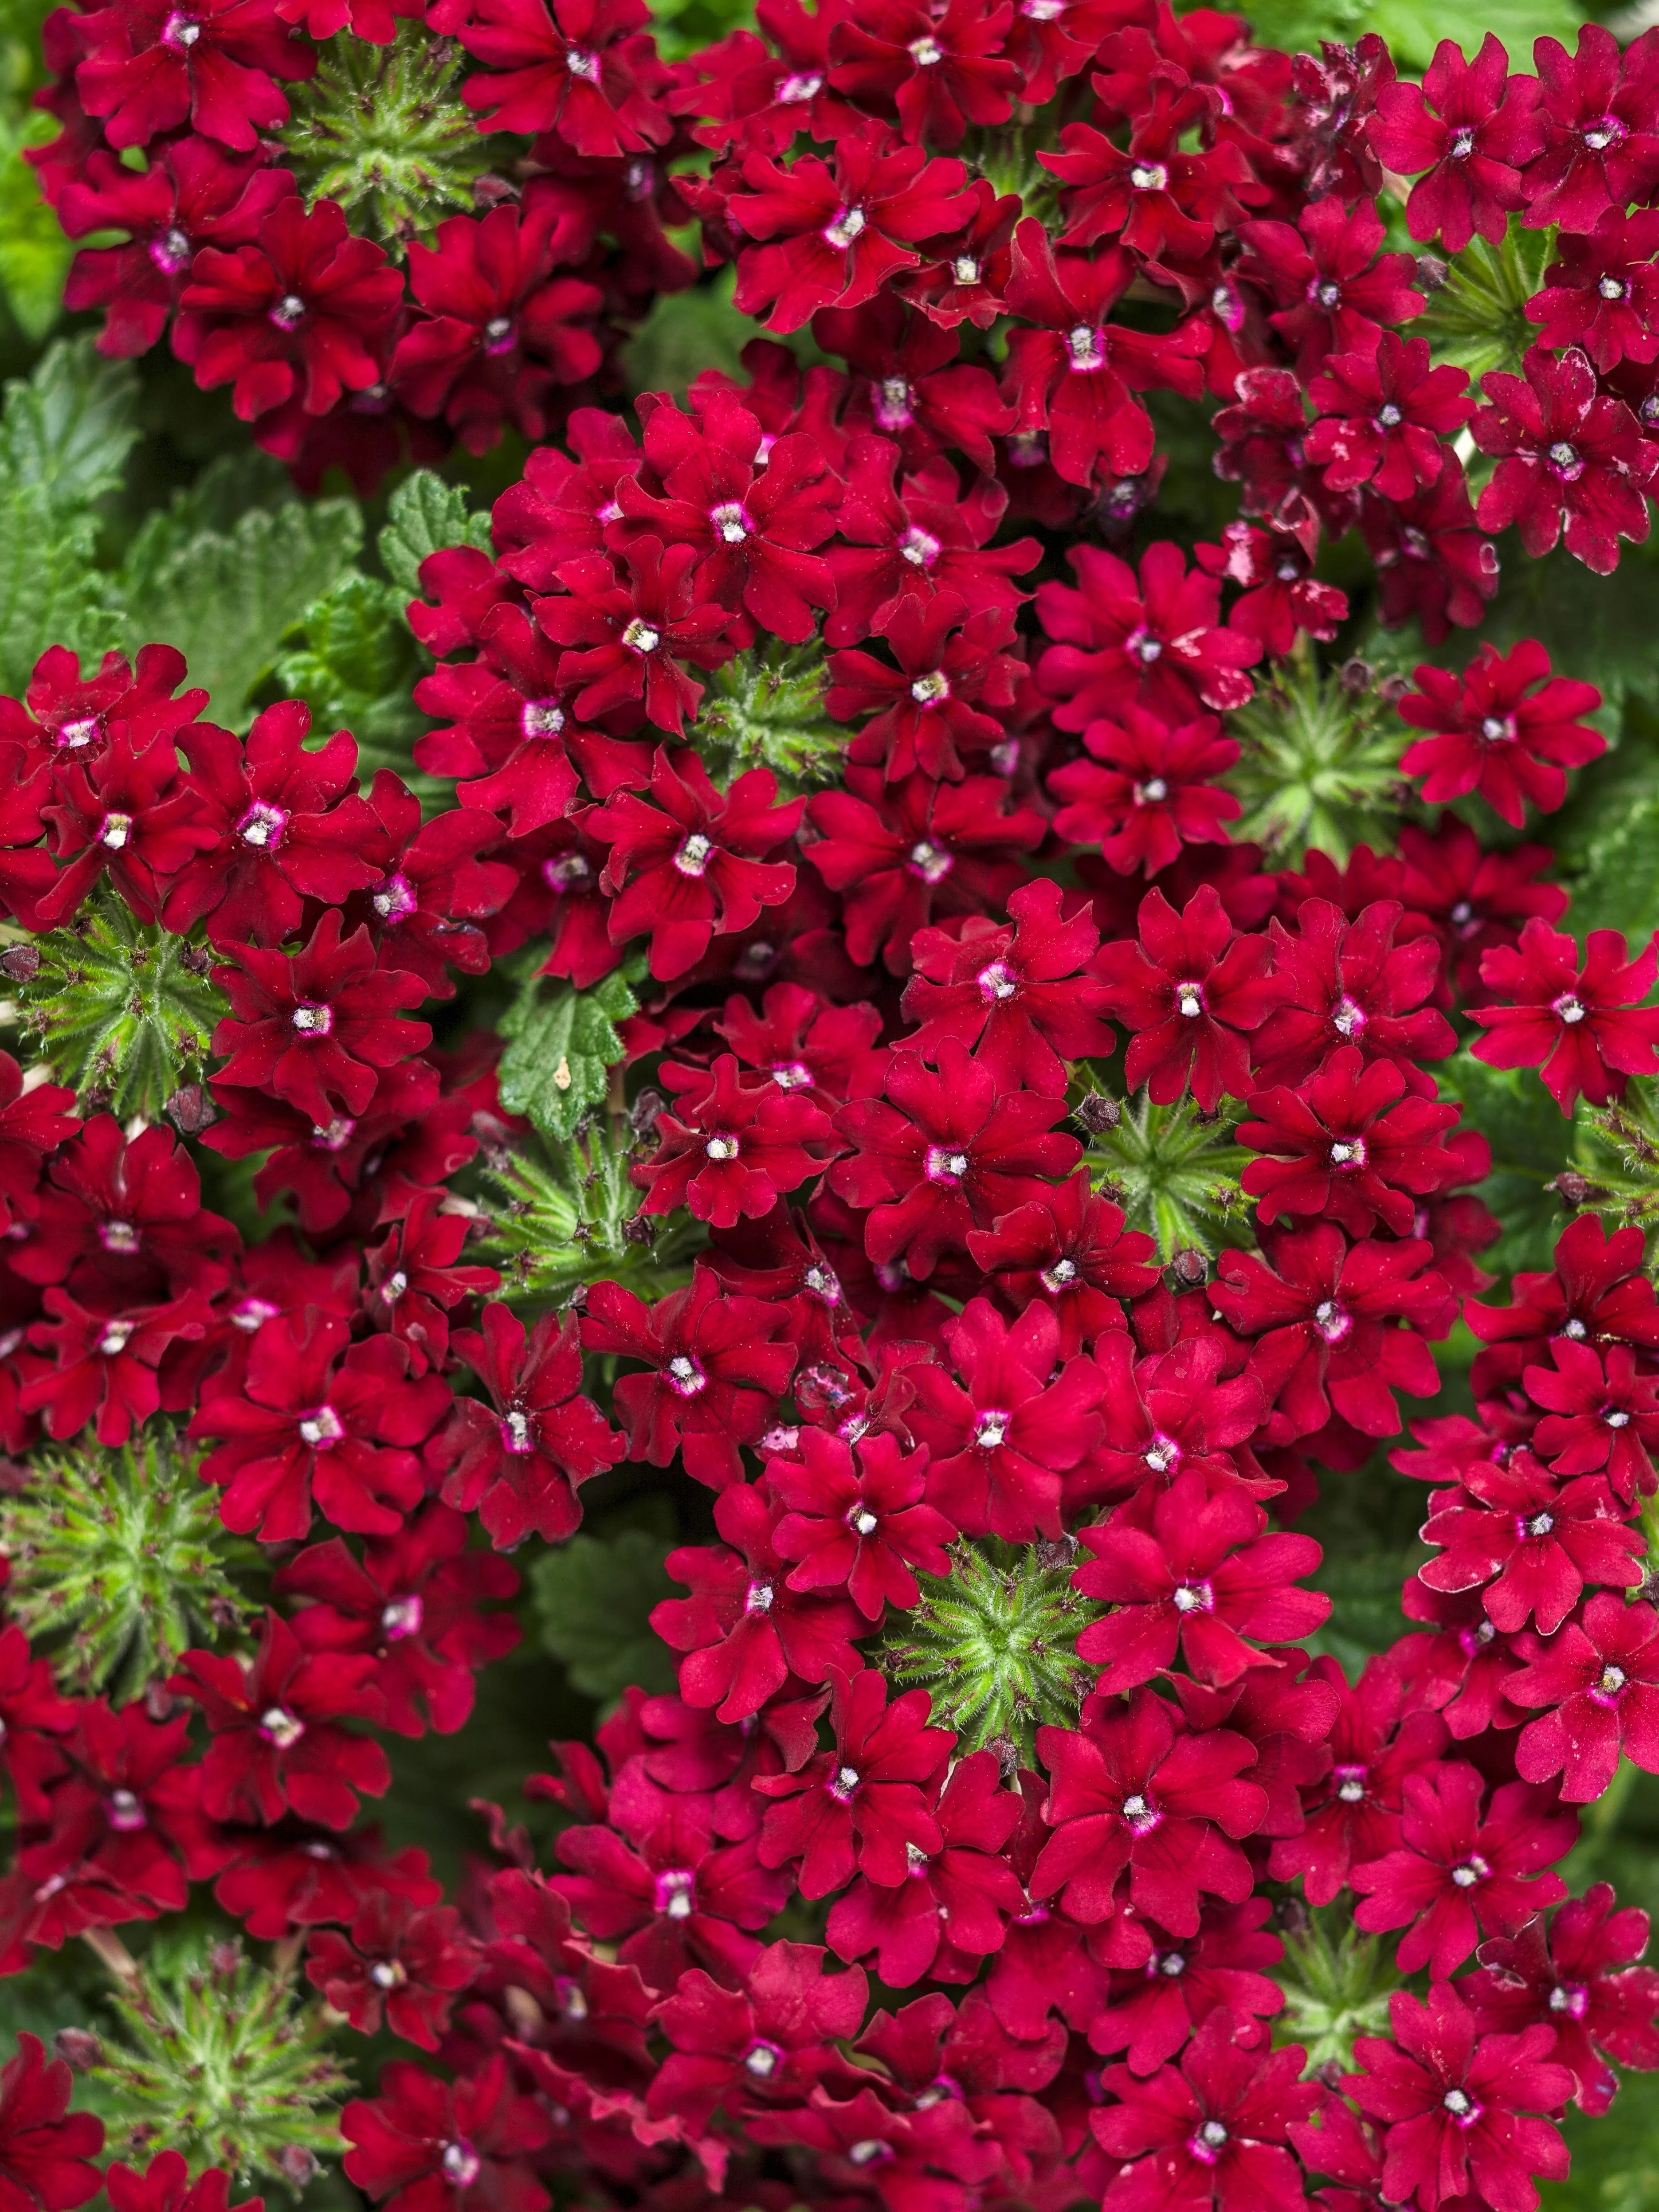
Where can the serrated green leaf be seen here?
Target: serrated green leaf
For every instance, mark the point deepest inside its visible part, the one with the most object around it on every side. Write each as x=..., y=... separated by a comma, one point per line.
x=561, y=1045
x=50, y=593
x=354, y=663
x=424, y=515
x=227, y=599
x=593, y=1599
x=1531, y=1142
x=69, y=427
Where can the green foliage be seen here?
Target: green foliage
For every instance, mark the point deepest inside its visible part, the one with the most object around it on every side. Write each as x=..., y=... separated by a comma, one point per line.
x=764, y=708
x=1175, y=1172
x=221, y=2062
x=684, y=333
x=1414, y=27
x=121, y=1011
x=228, y=597
x=1336, y=1985
x=423, y=516
x=1617, y=1155
x=64, y=438
x=568, y=1214
x=117, y=1563
x=593, y=1599
x=1319, y=766
x=356, y=664
x=1531, y=1144
x=1477, y=319
x=561, y=1046
x=381, y=129
x=994, y=1644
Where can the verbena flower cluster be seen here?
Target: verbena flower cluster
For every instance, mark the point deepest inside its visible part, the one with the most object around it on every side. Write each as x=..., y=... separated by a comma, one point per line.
x=961, y=1869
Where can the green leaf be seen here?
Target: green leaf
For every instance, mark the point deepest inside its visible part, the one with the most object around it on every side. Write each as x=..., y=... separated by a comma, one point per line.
x=1320, y=765
x=356, y=666
x=425, y=515
x=593, y=1600
x=50, y=593
x=226, y=598
x=561, y=1046
x=34, y=254
x=1477, y=320
x=1531, y=1142
x=569, y=1214
x=685, y=333
x=69, y=427
x=1175, y=1172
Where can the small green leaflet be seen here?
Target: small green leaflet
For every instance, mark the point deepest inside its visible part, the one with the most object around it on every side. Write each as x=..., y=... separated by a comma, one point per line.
x=561, y=1045
x=594, y=1598
x=69, y=427
x=424, y=516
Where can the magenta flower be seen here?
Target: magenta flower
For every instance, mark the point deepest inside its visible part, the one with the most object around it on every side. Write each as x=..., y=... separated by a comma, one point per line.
x=858, y=1525
x=1602, y=1412
x=1341, y=982
x=1183, y=993
x=1473, y=128
x=1602, y=294
x=1596, y=1292
x=1156, y=2008
x=276, y=1744
x=1132, y=1794
x=686, y=863
x=1376, y=1739
x=835, y=234
x=1333, y=290
x=1192, y=1572
x=1584, y=1028
x=1458, y=2106
x=1506, y=728
x=1599, y=1683
x=1570, y=461
x=1463, y=1870
x=861, y=1805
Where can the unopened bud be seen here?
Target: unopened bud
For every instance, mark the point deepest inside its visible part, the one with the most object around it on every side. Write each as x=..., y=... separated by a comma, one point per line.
x=78, y=2047
x=1291, y=1916
x=576, y=1298
x=1355, y=676
x=196, y=959
x=1097, y=1113
x=1189, y=1267
x=1007, y=1757
x=299, y=2166
x=1330, y=2071
x=191, y=1109
x=639, y=1228
x=643, y=1114
x=1393, y=689
x=1575, y=1189
x=160, y=1704
x=1432, y=273
x=223, y=1959
x=1052, y=1552
x=489, y=191
x=19, y=963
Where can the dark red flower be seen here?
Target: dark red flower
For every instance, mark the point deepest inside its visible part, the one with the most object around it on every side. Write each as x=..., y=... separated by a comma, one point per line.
x=1571, y=462
x=1333, y=291
x=1070, y=1249
x=1458, y=2106
x=414, y=1601
x=165, y=2185
x=521, y=1467
x=1348, y=1145
x=858, y=1524
x=1473, y=128
x=43, y=2147
x=151, y=66
x=770, y=2042
x=942, y=68
x=1382, y=416
x=1527, y=1541
x=1340, y=982
x=1183, y=993
x=1585, y=1030
x=1576, y=1973
x=1152, y=793
x=927, y=713
x=1602, y=294
x=1598, y=1684
x=1150, y=639
x=734, y=1150
x=714, y=1372
x=432, y=2146
x=630, y=636
x=1506, y=728
x=396, y=1964
x=276, y=1743
x=1599, y=150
